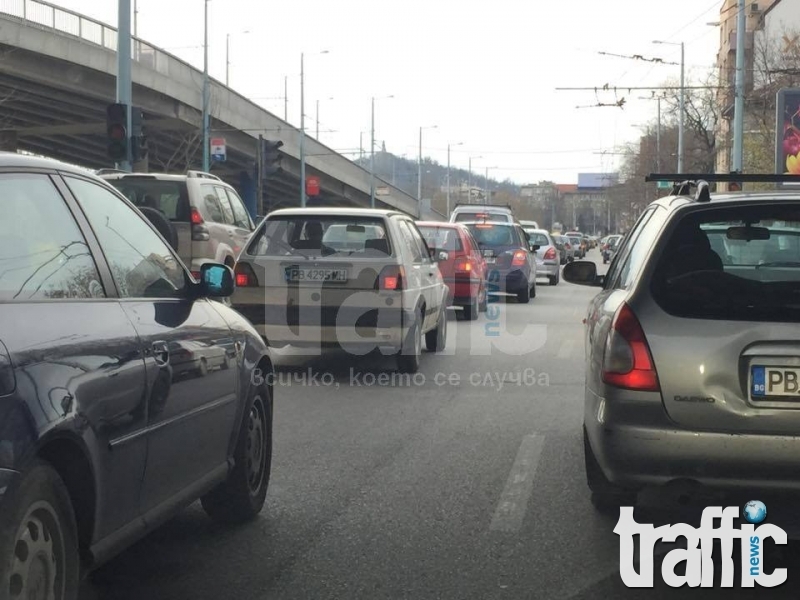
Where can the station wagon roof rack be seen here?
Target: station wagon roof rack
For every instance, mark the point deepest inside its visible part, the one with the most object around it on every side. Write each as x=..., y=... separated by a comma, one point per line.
x=483, y=206
x=109, y=171
x=682, y=183
x=202, y=175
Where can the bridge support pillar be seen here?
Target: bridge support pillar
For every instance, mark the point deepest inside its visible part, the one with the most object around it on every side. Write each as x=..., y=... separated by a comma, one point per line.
x=247, y=189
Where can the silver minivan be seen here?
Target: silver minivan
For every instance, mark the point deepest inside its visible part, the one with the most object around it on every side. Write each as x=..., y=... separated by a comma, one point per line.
x=209, y=220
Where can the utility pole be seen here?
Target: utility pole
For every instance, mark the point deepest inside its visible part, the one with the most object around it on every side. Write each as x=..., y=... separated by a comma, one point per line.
x=419, y=168
x=447, y=213
x=135, y=18
x=658, y=139
x=124, y=86
x=361, y=145
x=227, y=59
x=286, y=98
x=206, y=149
x=372, y=157
x=317, y=121
x=260, y=175
x=302, y=132
x=486, y=188
x=682, y=120
x=738, y=113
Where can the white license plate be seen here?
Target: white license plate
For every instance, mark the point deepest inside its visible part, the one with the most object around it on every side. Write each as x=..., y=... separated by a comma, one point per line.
x=315, y=274
x=769, y=382
x=490, y=260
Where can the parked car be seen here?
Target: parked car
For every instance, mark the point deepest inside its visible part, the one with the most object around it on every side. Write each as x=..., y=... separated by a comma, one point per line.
x=100, y=441
x=691, y=356
x=509, y=258
x=470, y=213
x=548, y=263
x=204, y=215
x=464, y=271
x=357, y=279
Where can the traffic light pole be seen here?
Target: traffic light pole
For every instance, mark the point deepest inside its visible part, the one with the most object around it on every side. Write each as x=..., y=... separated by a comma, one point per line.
x=124, y=86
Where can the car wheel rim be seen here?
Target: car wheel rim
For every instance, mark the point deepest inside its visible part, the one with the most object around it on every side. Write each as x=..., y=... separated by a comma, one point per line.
x=256, y=437
x=37, y=570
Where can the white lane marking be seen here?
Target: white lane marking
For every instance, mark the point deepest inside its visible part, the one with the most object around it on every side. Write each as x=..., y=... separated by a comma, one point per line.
x=565, y=350
x=513, y=502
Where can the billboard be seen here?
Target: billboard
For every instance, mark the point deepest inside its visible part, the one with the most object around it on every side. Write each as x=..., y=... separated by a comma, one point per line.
x=787, y=132
x=597, y=180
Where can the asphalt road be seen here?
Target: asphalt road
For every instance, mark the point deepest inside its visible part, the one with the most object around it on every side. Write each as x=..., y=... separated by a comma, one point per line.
x=465, y=482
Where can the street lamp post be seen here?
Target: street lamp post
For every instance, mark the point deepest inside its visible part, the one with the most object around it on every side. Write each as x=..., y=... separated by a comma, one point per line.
x=372, y=153
x=448, y=176
x=228, y=57
x=317, y=118
x=682, y=116
x=419, y=163
x=303, y=128
x=486, y=189
x=469, y=178
x=286, y=98
x=206, y=149
x=738, y=107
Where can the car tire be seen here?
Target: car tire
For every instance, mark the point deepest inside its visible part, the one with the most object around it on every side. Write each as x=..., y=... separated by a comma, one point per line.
x=202, y=370
x=524, y=295
x=436, y=339
x=470, y=311
x=554, y=279
x=408, y=358
x=241, y=496
x=483, y=303
x=606, y=497
x=38, y=537
x=533, y=290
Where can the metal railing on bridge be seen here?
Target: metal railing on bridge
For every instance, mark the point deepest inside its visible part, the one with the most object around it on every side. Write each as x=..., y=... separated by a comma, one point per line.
x=48, y=16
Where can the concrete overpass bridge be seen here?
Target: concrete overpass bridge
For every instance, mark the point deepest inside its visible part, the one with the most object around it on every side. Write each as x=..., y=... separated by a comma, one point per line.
x=58, y=74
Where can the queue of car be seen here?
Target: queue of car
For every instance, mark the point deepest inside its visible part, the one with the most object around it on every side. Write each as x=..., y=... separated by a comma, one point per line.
x=165, y=396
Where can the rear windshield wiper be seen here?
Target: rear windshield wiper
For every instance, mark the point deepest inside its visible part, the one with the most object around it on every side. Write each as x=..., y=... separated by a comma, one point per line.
x=779, y=263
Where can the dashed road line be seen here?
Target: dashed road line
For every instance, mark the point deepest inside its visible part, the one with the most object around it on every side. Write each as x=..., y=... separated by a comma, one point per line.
x=513, y=503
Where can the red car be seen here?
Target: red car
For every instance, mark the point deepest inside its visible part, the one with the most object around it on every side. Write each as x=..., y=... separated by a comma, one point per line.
x=464, y=271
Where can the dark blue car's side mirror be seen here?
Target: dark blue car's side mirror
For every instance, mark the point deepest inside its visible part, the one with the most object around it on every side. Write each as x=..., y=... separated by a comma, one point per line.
x=216, y=281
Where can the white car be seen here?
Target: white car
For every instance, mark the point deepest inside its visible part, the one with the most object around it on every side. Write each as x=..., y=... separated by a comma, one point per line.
x=357, y=279
x=471, y=213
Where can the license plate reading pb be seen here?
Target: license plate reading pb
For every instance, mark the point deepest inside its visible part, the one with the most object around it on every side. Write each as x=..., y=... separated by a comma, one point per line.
x=769, y=382
x=315, y=274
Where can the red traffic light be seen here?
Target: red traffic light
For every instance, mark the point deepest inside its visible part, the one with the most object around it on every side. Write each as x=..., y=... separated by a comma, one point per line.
x=116, y=132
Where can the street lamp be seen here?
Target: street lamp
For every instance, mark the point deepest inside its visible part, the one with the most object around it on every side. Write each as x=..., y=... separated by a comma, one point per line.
x=206, y=93
x=372, y=153
x=303, y=128
x=317, y=117
x=419, y=163
x=448, y=176
x=228, y=55
x=683, y=99
x=469, y=178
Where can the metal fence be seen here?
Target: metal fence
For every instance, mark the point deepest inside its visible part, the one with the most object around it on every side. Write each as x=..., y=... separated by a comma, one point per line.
x=48, y=16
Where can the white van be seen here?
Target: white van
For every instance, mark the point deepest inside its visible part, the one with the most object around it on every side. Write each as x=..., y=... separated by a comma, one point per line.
x=469, y=213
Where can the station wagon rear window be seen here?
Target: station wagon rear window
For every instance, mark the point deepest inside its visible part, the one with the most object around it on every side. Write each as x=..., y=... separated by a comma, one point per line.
x=441, y=238
x=317, y=236
x=169, y=197
x=740, y=263
x=468, y=217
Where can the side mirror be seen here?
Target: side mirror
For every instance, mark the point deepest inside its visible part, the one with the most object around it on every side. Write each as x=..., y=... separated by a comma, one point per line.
x=582, y=272
x=216, y=281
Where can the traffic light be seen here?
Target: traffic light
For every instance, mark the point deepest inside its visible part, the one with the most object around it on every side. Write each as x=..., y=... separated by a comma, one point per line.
x=271, y=158
x=117, y=131
x=138, y=137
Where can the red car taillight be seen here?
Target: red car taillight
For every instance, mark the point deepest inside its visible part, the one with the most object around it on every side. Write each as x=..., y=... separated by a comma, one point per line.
x=199, y=229
x=245, y=277
x=550, y=254
x=627, y=362
x=391, y=278
x=567, y=246
x=464, y=265
x=519, y=259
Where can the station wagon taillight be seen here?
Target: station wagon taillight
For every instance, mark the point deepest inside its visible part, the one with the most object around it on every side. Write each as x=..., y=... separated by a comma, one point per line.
x=391, y=278
x=550, y=254
x=199, y=230
x=627, y=362
x=520, y=258
x=197, y=218
x=245, y=277
x=463, y=265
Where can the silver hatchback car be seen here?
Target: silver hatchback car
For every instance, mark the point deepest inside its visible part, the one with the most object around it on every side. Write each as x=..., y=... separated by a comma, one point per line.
x=693, y=351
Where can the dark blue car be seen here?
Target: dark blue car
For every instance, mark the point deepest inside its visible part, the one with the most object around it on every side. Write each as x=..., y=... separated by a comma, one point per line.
x=101, y=437
x=510, y=258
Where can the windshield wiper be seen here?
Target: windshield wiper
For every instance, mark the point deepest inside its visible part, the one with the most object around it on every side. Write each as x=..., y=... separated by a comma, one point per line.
x=779, y=263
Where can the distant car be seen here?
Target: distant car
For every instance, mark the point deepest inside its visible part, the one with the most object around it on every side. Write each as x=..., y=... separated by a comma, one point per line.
x=101, y=440
x=576, y=241
x=356, y=279
x=510, y=259
x=470, y=213
x=610, y=247
x=559, y=243
x=464, y=271
x=548, y=263
x=205, y=216
x=529, y=225
x=569, y=249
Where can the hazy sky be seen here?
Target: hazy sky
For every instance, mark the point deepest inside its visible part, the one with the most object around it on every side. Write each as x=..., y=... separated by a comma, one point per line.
x=483, y=71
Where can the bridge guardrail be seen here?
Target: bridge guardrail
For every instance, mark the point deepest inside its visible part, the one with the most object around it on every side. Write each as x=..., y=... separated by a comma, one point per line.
x=49, y=16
